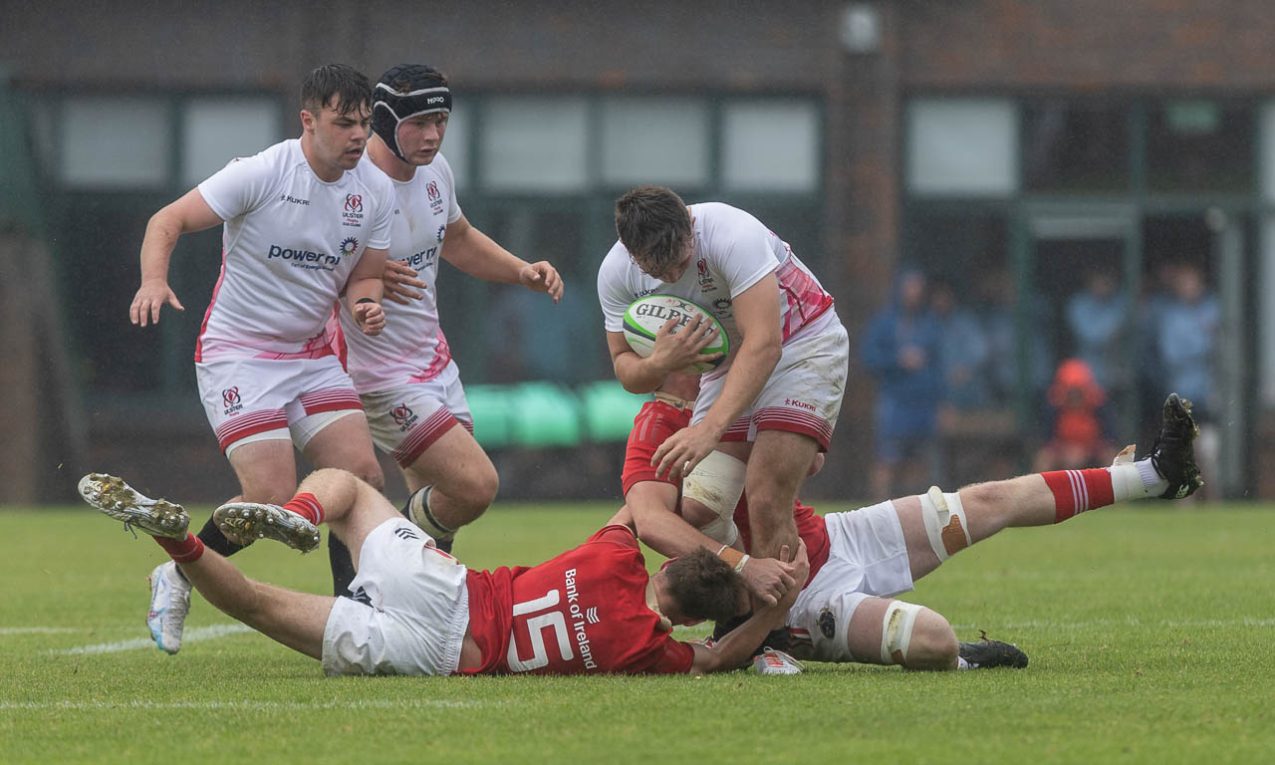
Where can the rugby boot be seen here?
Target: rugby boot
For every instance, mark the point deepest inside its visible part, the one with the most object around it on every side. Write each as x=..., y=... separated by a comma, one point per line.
x=170, y=602
x=245, y=522
x=1173, y=453
x=990, y=654
x=157, y=517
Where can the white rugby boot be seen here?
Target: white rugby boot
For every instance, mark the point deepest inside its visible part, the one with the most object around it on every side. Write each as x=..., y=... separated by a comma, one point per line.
x=157, y=517
x=245, y=522
x=170, y=602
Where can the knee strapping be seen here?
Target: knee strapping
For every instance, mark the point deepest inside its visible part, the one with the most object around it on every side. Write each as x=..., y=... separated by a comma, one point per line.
x=722, y=530
x=896, y=631
x=717, y=483
x=945, y=522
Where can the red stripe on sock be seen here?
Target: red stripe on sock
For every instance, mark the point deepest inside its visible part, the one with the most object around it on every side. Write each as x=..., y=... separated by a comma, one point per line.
x=186, y=550
x=1076, y=491
x=307, y=506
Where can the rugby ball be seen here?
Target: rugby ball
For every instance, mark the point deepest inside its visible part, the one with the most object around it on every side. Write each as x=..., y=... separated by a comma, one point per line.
x=644, y=317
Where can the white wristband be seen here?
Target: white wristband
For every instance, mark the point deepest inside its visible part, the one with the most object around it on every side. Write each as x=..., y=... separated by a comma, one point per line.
x=739, y=567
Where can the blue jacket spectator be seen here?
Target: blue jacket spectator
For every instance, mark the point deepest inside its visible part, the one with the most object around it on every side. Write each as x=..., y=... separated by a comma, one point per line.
x=964, y=351
x=902, y=349
x=1187, y=335
x=1098, y=317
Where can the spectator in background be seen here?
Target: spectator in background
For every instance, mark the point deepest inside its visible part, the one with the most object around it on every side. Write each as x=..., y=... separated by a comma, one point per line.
x=1079, y=420
x=1001, y=327
x=1190, y=319
x=1098, y=317
x=963, y=350
x=903, y=350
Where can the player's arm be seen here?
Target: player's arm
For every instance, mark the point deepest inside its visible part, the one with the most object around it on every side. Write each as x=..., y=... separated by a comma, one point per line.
x=757, y=316
x=735, y=649
x=364, y=290
x=672, y=351
x=648, y=509
x=480, y=256
x=188, y=214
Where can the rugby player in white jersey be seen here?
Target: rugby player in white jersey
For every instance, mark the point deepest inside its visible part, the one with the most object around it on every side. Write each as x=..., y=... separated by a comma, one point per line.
x=409, y=383
x=304, y=227
x=773, y=403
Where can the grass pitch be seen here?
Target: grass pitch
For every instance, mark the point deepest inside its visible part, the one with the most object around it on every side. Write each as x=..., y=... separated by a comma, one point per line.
x=1151, y=632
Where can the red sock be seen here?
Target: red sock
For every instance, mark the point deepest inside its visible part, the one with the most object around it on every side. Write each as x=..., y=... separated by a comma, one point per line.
x=186, y=550
x=307, y=506
x=1076, y=491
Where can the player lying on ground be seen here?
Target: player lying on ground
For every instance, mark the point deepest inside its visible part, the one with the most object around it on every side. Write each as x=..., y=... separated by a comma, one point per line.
x=416, y=610
x=860, y=559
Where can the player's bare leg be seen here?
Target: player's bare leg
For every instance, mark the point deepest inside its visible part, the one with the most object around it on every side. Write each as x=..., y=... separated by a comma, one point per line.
x=777, y=466
x=914, y=637
x=346, y=443
x=453, y=482
x=938, y=525
x=350, y=507
x=267, y=470
x=295, y=619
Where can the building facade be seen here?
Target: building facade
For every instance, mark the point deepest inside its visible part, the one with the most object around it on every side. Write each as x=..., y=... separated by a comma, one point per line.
x=1008, y=149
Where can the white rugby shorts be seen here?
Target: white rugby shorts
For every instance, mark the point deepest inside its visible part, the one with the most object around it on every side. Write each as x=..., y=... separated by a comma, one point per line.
x=803, y=394
x=407, y=612
x=406, y=421
x=247, y=397
x=868, y=558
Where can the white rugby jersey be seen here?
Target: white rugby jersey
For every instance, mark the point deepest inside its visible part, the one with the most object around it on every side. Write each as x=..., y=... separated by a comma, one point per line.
x=733, y=251
x=289, y=245
x=412, y=347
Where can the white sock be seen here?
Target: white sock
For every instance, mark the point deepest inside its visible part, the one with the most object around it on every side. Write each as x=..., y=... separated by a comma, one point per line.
x=1135, y=481
x=961, y=663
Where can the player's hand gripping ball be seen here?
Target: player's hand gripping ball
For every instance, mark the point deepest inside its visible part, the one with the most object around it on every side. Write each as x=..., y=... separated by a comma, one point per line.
x=645, y=316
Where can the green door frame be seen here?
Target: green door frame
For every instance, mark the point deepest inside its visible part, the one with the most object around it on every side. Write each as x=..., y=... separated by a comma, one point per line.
x=1034, y=222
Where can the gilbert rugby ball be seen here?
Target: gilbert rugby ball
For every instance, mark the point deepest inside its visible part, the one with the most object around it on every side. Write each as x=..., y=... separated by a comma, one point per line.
x=644, y=317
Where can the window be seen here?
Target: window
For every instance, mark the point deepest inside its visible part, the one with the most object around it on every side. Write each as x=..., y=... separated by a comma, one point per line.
x=770, y=145
x=962, y=147
x=535, y=145
x=1195, y=146
x=216, y=130
x=655, y=140
x=115, y=143
x=1076, y=147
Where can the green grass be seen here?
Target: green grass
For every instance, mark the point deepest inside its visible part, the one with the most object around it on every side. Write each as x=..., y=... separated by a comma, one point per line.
x=1151, y=633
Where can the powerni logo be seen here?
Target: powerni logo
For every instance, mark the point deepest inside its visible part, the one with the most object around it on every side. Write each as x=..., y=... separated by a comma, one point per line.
x=303, y=256
x=349, y=245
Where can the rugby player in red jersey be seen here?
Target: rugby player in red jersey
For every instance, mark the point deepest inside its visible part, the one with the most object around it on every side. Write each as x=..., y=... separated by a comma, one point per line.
x=415, y=610
x=859, y=560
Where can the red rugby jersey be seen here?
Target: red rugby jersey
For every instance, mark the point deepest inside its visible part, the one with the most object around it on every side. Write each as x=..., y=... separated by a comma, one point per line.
x=583, y=612
x=657, y=421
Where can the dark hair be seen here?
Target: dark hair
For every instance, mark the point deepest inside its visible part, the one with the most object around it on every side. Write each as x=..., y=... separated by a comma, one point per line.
x=349, y=85
x=405, y=78
x=653, y=223
x=704, y=586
